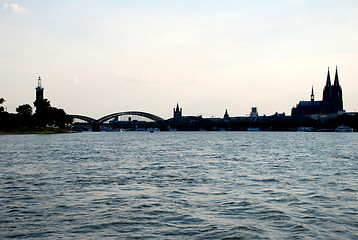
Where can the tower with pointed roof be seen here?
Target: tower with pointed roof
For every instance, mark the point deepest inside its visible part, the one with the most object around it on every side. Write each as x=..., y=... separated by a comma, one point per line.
x=327, y=89
x=332, y=95
x=226, y=115
x=312, y=96
x=177, y=113
x=337, y=98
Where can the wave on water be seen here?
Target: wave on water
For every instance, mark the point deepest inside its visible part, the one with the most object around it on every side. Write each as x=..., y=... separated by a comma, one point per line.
x=179, y=185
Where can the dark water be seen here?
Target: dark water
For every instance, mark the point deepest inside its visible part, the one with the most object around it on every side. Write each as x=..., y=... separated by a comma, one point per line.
x=179, y=185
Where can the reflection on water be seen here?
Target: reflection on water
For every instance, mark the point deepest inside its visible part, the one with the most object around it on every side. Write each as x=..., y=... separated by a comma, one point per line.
x=170, y=185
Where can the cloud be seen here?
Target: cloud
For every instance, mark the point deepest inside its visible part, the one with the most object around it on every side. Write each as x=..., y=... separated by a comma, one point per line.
x=15, y=8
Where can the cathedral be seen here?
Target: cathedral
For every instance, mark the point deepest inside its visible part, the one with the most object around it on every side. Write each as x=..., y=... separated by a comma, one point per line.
x=331, y=103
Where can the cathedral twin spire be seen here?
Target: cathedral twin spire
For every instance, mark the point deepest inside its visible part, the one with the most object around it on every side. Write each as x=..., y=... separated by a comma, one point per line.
x=336, y=81
x=332, y=94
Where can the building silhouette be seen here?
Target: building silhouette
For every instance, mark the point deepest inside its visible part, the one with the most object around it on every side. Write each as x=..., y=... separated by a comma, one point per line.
x=332, y=95
x=39, y=91
x=226, y=115
x=332, y=102
x=177, y=113
x=254, y=113
x=41, y=103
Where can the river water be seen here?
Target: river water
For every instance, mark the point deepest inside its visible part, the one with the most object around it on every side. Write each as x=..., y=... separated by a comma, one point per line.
x=179, y=185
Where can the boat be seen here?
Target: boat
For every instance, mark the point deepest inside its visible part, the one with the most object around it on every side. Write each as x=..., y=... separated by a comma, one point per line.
x=343, y=128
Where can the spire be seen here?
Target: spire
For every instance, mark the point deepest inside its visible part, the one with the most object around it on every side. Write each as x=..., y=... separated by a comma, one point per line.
x=312, y=95
x=328, y=83
x=336, y=81
x=177, y=112
x=226, y=115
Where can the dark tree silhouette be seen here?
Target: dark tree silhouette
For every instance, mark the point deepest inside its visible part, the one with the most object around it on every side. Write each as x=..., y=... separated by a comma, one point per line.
x=24, y=110
x=24, y=117
x=42, y=105
x=1, y=102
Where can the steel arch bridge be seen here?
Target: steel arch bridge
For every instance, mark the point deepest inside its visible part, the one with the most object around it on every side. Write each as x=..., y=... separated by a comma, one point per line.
x=113, y=115
x=141, y=114
x=84, y=118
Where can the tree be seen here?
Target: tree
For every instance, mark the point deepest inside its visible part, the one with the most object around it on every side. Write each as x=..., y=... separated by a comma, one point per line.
x=1, y=102
x=24, y=120
x=24, y=110
x=24, y=117
x=42, y=105
x=46, y=115
x=8, y=121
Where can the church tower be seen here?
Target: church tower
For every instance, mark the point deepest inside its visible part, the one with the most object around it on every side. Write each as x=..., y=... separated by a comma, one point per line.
x=337, y=101
x=312, y=96
x=177, y=113
x=332, y=95
x=327, y=90
x=226, y=115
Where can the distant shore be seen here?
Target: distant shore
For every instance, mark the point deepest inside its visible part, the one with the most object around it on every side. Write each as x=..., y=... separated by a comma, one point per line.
x=6, y=133
x=46, y=131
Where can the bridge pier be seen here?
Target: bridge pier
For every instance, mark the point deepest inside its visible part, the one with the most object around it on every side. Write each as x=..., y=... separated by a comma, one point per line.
x=96, y=127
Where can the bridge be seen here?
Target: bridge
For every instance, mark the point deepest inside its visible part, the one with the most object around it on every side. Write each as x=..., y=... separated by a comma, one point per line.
x=96, y=123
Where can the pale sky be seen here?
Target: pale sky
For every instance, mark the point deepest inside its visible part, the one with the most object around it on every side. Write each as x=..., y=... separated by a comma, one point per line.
x=97, y=57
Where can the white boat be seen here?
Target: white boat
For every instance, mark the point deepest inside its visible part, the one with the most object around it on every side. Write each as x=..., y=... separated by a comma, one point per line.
x=343, y=128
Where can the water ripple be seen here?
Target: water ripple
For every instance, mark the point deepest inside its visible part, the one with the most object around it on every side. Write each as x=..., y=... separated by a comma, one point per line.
x=230, y=185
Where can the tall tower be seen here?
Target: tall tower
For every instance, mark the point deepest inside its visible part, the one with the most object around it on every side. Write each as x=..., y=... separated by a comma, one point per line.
x=312, y=96
x=337, y=101
x=39, y=91
x=40, y=103
x=254, y=113
x=332, y=95
x=327, y=90
x=177, y=113
x=226, y=115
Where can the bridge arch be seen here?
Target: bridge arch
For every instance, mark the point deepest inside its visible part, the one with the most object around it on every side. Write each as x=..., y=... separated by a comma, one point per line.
x=84, y=118
x=136, y=113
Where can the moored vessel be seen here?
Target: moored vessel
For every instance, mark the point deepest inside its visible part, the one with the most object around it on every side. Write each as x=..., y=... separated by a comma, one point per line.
x=343, y=128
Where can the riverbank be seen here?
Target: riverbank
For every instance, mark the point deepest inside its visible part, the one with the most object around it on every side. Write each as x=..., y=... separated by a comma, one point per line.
x=44, y=131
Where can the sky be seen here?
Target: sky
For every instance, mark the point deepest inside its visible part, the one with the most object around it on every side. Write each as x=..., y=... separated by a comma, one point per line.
x=97, y=57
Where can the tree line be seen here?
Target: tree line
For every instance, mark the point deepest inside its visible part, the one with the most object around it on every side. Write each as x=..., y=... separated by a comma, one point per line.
x=24, y=120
